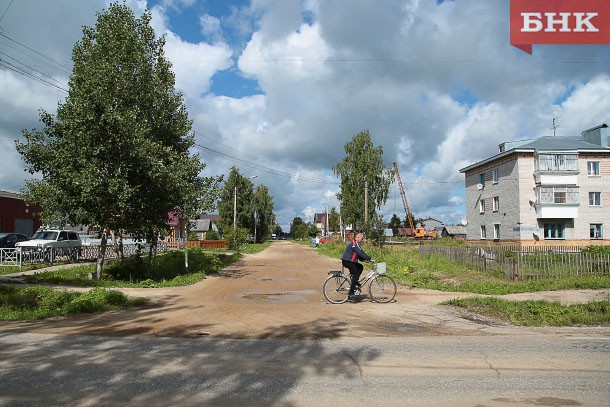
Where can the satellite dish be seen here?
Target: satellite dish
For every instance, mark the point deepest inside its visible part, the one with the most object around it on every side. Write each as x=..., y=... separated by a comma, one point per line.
x=533, y=199
x=480, y=186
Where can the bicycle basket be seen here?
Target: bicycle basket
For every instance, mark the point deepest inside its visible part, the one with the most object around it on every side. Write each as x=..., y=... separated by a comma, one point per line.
x=380, y=268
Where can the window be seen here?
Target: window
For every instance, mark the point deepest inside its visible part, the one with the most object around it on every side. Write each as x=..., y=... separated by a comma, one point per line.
x=494, y=176
x=593, y=167
x=496, y=204
x=481, y=206
x=595, y=231
x=595, y=198
x=496, y=231
x=554, y=231
x=483, y=232
x=482, y=178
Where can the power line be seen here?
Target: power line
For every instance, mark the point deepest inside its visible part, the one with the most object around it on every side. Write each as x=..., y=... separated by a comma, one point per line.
x=36, y=52
x=3, y=14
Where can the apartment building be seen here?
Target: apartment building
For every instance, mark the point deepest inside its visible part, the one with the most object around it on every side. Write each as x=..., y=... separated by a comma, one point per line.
x=551, y=189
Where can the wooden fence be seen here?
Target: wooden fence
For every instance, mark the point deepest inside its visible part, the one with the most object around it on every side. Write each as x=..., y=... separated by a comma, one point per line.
x=525, y=263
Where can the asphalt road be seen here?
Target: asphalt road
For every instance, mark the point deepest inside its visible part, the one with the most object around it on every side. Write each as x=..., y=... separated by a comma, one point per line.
x=73, y=370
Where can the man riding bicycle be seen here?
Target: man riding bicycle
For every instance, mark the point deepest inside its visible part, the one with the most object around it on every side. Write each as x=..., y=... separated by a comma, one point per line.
x=352, y=253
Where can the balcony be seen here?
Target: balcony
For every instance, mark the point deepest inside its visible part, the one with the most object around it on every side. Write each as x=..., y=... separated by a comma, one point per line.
x=556, y=169
x=554, y=202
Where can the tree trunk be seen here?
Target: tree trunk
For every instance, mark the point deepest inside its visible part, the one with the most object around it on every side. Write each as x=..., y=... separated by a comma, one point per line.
x=152, y=250
x=99, y=264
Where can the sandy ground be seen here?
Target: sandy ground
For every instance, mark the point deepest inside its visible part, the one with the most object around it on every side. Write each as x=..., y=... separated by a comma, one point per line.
x=278, y=294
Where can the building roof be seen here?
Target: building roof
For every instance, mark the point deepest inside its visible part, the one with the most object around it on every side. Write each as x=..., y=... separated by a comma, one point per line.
x=200, y=225
x=542, y=144
x=455, y=230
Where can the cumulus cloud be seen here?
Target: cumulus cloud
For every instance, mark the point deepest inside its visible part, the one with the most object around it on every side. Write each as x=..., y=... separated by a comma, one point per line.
x=437, y=88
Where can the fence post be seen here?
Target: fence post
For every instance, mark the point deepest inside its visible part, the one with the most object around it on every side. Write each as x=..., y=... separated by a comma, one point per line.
x=516, y=268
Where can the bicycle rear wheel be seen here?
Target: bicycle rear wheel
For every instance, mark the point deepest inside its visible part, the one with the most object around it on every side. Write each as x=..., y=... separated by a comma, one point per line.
x=336, y=288
x=382, y=288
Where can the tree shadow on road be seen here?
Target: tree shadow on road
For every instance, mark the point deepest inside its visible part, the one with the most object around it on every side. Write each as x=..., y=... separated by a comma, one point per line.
x=100, y=370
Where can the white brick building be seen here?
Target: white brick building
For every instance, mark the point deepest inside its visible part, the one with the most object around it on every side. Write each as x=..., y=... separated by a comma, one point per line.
x=550, y=189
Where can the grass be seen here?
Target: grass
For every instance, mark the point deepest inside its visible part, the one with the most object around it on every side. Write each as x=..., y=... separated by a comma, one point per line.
x=44, y=302
x=437, y=273
x=168, y=270
x=537, y=313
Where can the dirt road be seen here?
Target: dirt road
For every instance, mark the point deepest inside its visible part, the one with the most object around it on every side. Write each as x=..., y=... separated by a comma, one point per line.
x=277, y=294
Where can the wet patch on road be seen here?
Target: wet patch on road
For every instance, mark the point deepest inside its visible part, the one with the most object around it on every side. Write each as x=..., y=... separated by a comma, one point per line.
x=278, y=296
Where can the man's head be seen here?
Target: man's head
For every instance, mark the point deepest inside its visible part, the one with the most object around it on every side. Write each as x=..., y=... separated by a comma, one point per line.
x=359, y=237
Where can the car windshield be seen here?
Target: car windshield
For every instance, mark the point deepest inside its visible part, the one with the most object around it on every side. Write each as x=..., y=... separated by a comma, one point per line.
x=45, y=236
x=3, y=235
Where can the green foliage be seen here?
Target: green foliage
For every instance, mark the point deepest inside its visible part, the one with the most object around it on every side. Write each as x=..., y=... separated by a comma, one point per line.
x=43, y=302
x=117, y=154
x=236, y=238
x=375, y=230
x=436, y=272
x=167, y=270
x=394, y=224
x=240, y=187
x=597, y=249
x=298, y=228
x=537, y=313
x=362, y=174
x=265, y=219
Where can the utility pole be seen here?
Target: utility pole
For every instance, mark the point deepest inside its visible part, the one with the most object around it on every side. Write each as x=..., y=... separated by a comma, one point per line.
x=366, y=202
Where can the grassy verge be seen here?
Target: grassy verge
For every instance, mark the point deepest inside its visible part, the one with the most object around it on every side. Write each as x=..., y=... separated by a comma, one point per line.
x=537, y=313
x=438, y=273
x=43, y=302
x=167, y=270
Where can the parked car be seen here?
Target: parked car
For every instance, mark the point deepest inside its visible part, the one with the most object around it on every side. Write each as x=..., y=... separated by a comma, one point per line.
x=65, y=242
x=8, y=240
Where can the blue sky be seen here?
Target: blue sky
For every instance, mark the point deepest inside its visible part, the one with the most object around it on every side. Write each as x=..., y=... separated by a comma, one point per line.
x=277, y=87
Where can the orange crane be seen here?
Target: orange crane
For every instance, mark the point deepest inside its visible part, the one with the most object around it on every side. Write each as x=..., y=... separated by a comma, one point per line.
x=418, y=233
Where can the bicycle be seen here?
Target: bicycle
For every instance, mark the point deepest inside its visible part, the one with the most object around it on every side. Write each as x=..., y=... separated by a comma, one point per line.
x=382, y=288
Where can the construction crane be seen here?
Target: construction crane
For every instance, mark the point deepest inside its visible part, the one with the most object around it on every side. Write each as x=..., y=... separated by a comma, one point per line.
x=418, y=233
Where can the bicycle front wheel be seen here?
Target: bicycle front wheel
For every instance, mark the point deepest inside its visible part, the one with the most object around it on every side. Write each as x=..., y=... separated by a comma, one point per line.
x=382, y=288
x=336, y=289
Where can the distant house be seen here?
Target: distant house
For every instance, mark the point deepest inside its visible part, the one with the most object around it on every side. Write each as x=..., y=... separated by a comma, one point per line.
x=203, y=225
x=405, y=232
x=432, y=224
x=455, y=232
x=319, y=219
x=16, y=216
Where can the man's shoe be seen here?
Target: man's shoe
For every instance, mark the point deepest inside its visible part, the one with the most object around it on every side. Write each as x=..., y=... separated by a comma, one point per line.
x=352, y=297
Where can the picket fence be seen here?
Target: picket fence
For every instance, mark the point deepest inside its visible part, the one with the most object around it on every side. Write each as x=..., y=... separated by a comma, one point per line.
x=524, y=262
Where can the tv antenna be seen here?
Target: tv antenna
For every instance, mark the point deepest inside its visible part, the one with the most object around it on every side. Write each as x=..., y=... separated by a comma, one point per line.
x=555, y=125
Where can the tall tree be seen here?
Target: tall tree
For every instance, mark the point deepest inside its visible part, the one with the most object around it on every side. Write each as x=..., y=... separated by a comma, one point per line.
x=333, y=220
x=263, y=211
x=296, y=228
x=365, y=182
x=117, y=153
x=237, y=193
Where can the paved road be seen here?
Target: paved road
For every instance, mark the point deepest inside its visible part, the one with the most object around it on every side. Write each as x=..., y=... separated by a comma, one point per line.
x=73, y=370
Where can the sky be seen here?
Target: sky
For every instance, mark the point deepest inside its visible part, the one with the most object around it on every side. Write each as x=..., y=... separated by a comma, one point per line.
x=278, y=87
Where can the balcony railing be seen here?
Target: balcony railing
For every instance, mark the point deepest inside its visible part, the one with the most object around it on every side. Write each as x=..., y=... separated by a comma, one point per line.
x=557, y=163
x=558, y=195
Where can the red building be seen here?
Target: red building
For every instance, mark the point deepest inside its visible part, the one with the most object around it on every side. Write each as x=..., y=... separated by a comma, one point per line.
x=16, y=216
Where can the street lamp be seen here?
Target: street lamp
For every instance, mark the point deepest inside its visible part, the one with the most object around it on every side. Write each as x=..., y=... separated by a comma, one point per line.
x=235, y=202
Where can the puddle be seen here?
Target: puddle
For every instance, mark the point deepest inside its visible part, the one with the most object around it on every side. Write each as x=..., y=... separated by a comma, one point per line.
x=406, y=328
x=275, y=279
x=282, y=297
